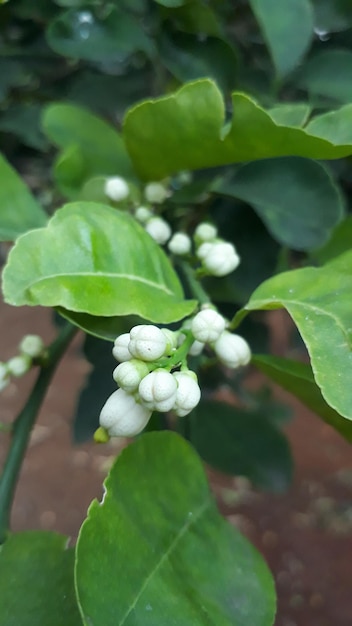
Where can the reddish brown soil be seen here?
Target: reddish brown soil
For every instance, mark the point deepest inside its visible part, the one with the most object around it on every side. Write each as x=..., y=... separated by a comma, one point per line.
x=305, y=535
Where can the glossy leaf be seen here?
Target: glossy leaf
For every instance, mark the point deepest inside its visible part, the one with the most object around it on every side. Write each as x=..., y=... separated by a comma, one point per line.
x=171, y=3
x=19, y=211
x=186, y=130
x=319, y=302
x=328, y=73
x=82, y=262
x=81, y=34
x=287, y=28
x=90, y=145
x=296, y=199
x=196, y=17
x=290, y=114
x=298, y=379
x=241, y=443
x=192, y=566
x=36, y=581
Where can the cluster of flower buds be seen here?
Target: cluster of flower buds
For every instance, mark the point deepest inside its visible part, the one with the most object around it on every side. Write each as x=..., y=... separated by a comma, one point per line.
x=152, y=376
x=218, y=257
x=30, y=348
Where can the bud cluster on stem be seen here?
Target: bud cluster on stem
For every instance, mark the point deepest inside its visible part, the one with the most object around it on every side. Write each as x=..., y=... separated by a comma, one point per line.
x=31, y=348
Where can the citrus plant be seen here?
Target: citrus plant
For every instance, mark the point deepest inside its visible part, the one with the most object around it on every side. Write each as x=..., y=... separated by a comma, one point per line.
x=171, y=222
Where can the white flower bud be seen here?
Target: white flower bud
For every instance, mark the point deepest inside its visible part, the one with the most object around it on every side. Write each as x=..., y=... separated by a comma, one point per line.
x=147, y=342
x=129, y=374
x=180, y=243
x=204, y=249
x=4, y=376
x=120, y=350
x=32, y=345
x=196, y=348
x=171, y=340
x=116, y=188
x=19, y=365
x=159, y=230
x=122, y=416
x=157, y=391
x=156, y=193
x=221, y=258
x=187, y=394
x=143, y=214
x=205, y=232
x=207, y=325
x=232, y=350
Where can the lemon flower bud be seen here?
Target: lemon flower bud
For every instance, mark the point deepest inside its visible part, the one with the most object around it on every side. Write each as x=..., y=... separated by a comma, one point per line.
x=116, y=188
x=157, y=391
x=205, y=232
x=171, y=340
x=219, y=257
x=123, y=416
x=156, y=193
x=187, y=394
x=143, y=214
x=232, y=350
x=159, y=229
x=120, y=350
x=180, y=243
x=4, y=376
x=32, y=345
x=19, y=365
x=207, y=325
x=129, y=374
x=147, y=342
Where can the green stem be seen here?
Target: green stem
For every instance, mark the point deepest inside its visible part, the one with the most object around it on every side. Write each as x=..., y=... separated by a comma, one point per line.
x=23, y=425
x=193, y=283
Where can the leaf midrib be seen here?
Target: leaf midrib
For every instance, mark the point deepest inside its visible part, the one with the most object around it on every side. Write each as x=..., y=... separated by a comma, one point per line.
x=101, y=274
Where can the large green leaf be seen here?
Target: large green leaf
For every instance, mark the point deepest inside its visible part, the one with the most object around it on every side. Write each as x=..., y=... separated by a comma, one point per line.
x=290, y=114
x=328, y=73
x=19, y=211
x=287, y=28
x=319, y=302
x=187, y=130
x=82, y=34
x=97, y=260
x=157, y=552
x=332, y=15
x=36, y=581
x=90, y=145
x=298, y=379
x=296, y=199
x=241, y=442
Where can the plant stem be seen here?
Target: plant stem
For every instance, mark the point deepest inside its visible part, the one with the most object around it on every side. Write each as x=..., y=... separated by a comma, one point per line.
x=193, y=283
x=23, y=425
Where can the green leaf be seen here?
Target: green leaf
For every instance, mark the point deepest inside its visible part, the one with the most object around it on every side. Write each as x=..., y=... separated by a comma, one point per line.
x=82, y=262
x=23, y=120
x=296, y=199
x=112, y=39
x=157, y=552
x=19, y=211
x=290, y=114
x=171, y=3
x=298, y=379
x=196, y=17
x=287, y=28
x=328, y=73
x=339, y=242
x=187, y=58
x=241, y=442
x=319, y=302
x=36, y=581
x=332, y=15
x=186, y=130
x=91, y=147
